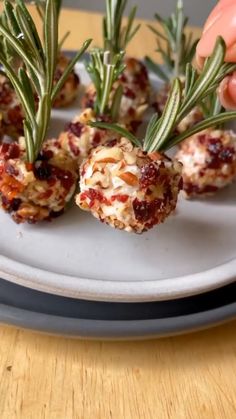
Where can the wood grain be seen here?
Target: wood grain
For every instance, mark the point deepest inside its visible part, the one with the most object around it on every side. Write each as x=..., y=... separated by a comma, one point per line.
x=183, y=377
x=188, y=377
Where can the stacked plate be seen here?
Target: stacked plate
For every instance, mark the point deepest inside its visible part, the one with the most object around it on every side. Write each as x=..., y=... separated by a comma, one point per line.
x=78, y=277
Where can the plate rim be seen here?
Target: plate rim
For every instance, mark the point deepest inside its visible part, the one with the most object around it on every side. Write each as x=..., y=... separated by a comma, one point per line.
x=115, y=330
x=126, y=291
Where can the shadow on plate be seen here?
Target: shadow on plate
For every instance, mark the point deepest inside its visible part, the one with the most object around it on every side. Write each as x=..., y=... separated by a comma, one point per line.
x=226, y=196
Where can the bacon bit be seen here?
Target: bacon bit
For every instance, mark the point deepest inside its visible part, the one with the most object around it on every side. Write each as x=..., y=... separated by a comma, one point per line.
x=119, y=197
x=29, y=166
x=10, y=187
x=129, y=178
x=93, y=195
x=122, y=164
x=155, y=156
x=46, y=195
x=107, y=160
x=31, y=213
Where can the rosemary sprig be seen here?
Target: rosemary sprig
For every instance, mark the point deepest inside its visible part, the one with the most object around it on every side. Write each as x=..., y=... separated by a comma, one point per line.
x=173, y=44
x=41, y=8
x=36, y=77
x=104, y=69
x=117, y=37
x=160, y=134
x=211, y=106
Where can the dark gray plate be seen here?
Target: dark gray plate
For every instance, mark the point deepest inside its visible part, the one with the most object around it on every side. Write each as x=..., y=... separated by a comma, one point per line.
x=48, y=313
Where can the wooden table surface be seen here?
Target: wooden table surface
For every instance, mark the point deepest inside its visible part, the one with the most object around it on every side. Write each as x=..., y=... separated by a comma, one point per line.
x=186, y=377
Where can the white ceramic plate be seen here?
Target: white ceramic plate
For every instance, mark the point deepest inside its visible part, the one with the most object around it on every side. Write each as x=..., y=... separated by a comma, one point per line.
x=75, y=255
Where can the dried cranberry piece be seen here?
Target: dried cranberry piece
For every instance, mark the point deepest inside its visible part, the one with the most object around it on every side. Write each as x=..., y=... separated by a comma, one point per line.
x=134, y=125
x=144, y=210
x=129, y=93
x=15, y=204
x=45, y=155
x=227, y=154
x=76, y=79
x=149, y=175
x=123, y=78
x=15, y=116
x=43, y=171
x=181, y=184
x=219, y=154
x=96, y=139
x=89, y=103
x=120, y=197
x=10, y=151
x=104, y=118
x=64, y=176
x=111, y=143
x=156, y=107
x=11, y=170
x=58, y=74
x=12, y=205
x=75, y=128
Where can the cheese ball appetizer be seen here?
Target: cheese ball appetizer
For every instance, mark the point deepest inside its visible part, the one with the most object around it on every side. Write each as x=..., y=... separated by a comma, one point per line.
x=38, y=191
x=79, y=138
x=136, y=94
x=37, y=177
x=136, y=91
x=70, y=88
x=209, y=162
x=127, y=188
x=134, y=79
x=11, y=113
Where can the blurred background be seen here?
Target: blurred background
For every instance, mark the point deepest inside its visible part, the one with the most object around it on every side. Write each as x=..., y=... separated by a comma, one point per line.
x=197, y=10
